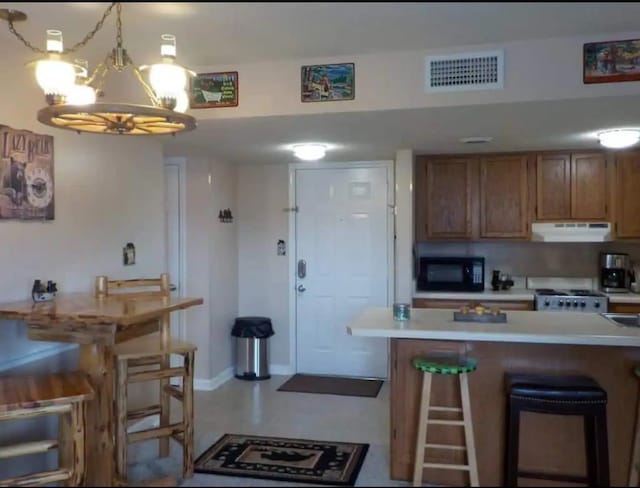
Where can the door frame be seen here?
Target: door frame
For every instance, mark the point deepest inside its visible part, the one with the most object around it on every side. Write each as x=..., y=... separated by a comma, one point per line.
x=181, y=164
x=391, y=209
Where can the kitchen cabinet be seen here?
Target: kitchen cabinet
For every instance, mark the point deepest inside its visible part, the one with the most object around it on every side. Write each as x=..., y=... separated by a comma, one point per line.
x=571, y=186
x=627, y=196
x=624, y=308
x=445, y=194
x=504, y=198
x=457, y=304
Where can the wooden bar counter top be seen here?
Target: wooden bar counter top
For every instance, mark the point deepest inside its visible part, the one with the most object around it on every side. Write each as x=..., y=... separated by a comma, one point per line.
x=96, y=324
x=567, y=344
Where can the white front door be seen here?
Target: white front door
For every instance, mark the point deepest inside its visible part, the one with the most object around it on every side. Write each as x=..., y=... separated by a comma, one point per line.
x=174, y=201
x=342, y=235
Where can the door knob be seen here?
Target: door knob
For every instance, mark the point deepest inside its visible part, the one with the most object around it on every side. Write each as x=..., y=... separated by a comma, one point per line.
x=301, y=288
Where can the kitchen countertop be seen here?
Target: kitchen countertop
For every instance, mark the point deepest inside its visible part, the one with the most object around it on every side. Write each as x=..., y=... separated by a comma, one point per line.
x=624, y=297
x=528, y=327
x=487, y=295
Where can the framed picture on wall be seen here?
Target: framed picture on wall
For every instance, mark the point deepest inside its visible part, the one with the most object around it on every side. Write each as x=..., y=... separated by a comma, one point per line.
x=611, y=61
x=211, y=90
x=26, y=175
x=328, y=82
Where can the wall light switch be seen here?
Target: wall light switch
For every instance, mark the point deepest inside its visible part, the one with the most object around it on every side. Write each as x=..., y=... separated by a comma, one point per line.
x=129, y=254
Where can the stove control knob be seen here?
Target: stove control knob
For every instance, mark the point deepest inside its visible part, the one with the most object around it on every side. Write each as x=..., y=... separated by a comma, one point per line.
x=575, y=303
x=560, y=303
x=583, y=304
x=597, y=305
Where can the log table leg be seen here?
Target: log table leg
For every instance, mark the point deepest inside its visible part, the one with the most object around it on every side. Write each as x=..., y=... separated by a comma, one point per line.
x=97, y=361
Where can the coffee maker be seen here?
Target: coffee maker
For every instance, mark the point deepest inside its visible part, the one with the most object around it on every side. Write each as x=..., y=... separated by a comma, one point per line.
x=614, y=273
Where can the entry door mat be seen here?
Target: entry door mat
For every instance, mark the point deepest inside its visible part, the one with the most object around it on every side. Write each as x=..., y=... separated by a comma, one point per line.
x=280, y=459
x=332, y=385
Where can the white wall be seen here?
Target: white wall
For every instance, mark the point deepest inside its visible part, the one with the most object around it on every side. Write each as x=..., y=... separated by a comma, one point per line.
x=541, y=69
x=212, y=265
x=263, y=193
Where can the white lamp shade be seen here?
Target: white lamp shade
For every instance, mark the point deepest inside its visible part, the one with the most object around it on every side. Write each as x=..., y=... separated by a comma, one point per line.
x=619, y=138
x=81, y=95
x=182, y=102
x=55, y=77
x=167, y=80
x=309, y=152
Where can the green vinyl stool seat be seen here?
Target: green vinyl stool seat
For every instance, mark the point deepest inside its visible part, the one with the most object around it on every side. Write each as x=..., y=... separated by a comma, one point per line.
x=447, y=365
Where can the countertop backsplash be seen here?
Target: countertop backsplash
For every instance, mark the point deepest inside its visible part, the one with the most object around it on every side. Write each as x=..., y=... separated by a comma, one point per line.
x=521, y=259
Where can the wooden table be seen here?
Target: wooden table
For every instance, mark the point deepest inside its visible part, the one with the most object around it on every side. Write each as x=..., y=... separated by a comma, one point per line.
x=96, y=324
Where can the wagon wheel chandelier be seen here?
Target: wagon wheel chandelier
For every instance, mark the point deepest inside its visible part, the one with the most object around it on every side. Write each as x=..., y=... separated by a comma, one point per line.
x=70, y=91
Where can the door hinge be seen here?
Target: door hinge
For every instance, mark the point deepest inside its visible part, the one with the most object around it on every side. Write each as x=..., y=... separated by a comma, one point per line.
x=291, y=209
x=394, y=434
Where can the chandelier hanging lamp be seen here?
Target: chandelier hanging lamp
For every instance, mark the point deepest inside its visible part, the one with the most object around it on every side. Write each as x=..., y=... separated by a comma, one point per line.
x=71, y=92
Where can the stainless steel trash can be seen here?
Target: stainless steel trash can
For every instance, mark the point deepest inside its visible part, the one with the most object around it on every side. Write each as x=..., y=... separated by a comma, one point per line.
x=251, y=336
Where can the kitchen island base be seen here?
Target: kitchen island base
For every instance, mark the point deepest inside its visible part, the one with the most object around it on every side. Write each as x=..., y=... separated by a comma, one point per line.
x=549, y=443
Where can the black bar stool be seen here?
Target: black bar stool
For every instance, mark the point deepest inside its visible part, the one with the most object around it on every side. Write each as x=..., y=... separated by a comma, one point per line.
x=559, y=395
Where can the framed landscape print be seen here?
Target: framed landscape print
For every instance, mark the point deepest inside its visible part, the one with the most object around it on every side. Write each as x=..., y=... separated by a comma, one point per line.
x=328, y=82
x=611, y=61
x=209, y=90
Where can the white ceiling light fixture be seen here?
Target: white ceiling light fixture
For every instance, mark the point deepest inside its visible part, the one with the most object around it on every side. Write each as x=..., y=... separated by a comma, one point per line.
x=619, y=138
x=309, y=152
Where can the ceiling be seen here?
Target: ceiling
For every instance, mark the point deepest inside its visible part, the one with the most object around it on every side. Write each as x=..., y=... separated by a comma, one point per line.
x=235, y=33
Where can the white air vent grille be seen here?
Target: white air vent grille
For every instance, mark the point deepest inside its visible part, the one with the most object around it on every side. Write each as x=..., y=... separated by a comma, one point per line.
x=465, y=71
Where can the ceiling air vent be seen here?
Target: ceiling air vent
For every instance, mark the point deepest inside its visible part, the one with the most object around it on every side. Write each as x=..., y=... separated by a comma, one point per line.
x=465, y=71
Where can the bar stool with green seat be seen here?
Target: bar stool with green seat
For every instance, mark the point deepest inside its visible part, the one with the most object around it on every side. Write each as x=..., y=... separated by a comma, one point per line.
x=445, y=365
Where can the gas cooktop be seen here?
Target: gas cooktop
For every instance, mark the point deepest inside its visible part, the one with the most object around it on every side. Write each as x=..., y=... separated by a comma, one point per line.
x=574, y=300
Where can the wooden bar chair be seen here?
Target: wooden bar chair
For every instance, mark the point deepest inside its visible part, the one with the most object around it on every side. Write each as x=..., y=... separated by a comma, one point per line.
x=152, y=353
x=62, y=394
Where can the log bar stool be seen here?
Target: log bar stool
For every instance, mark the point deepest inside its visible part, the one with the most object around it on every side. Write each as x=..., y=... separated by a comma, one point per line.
x=559, y=395
x=35, y=396
x=446, y=365
x=152, y=353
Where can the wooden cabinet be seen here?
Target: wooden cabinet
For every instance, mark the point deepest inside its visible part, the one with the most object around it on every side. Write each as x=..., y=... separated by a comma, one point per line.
x=624, y=308
x=504, y=197
x=445, y=198
x=627, y=195
x=589, y=186
x=571, y=186
x=553, y=176
x=456, y=304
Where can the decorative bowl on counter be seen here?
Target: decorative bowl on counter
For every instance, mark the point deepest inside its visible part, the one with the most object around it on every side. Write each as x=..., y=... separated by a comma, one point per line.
x=476, y=312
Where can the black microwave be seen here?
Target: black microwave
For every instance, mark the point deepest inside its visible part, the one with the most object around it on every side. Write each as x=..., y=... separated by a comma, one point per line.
x=451, y=274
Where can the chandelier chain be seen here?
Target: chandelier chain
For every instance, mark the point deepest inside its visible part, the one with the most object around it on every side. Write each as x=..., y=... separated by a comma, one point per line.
x=119, y=25
x=80, y=44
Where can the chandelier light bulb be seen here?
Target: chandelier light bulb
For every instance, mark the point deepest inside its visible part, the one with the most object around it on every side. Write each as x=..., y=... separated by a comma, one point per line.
x=55, y=77
x=81, y=95
x=619, y=138
x=309, y=152
x=167, y=80
x=182, y=102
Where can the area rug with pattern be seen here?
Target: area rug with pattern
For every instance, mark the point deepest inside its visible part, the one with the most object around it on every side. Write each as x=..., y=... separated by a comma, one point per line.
x=276, y=458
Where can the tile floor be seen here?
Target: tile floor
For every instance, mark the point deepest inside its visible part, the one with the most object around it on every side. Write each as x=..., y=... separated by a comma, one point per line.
x=241, y=407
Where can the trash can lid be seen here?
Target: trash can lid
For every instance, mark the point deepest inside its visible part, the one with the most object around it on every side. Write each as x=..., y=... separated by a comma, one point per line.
x=257, y=327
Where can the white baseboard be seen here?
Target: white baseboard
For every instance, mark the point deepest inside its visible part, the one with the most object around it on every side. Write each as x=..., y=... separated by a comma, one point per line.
x=36, y=356
x=211, y=384
x=281, y=369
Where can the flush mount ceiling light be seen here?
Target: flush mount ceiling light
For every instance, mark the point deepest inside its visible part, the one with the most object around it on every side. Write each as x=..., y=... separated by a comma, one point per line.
x=70, y=91
x=619, y=138
x=309, y=152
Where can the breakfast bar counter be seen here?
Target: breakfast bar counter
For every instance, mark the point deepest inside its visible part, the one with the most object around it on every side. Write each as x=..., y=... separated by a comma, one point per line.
x=560, y=343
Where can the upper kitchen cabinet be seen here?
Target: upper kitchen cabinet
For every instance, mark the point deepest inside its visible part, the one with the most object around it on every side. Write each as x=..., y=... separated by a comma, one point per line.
x=627, y=196
x=504, y=200
x=571, y=186
x=445, y=193
x=553, y=174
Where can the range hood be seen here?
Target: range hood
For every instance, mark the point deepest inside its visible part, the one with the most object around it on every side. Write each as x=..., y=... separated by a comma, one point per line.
x=571, y=232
